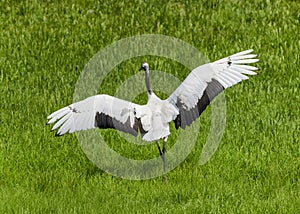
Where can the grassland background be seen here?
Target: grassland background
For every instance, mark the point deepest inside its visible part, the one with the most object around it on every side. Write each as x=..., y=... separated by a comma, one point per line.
x=44, y=46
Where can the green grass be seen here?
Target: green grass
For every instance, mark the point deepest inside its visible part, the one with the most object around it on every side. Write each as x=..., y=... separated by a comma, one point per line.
x=44, y=46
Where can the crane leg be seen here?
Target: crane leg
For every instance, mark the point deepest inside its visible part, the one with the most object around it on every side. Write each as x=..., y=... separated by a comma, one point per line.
x=162, y=155
x=158, y=146
x=164, y=159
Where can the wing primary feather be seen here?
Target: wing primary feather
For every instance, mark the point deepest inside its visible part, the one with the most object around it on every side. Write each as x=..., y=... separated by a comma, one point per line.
x=65, y=127
x=57, y=113
x=248, y=67
x=242, y=53
x=245, y=71
x=242, y=61
x=248, y=56
x=232, y=76
x=237, y=73
x=225, y=77
x=242, y=71
x=61, y=121
x=222, y=81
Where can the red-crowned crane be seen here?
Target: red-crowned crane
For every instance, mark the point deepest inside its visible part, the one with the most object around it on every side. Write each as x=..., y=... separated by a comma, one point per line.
x=152, y=120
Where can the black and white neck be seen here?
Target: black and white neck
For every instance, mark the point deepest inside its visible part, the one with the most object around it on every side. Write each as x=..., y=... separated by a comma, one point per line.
x=145, y=67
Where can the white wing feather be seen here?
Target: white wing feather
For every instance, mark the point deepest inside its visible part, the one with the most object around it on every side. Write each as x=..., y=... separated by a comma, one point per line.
x=81, y=115
x=227, y=71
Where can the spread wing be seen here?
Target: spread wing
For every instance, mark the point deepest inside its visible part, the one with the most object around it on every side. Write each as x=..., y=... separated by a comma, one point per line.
x=207, y=81
x=102, y=111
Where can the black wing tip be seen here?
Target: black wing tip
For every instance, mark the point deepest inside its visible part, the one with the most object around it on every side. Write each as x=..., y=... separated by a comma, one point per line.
x=58, y=134
x=52, y=130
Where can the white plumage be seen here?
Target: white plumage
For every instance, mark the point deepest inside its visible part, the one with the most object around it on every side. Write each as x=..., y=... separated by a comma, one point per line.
x=152, y=120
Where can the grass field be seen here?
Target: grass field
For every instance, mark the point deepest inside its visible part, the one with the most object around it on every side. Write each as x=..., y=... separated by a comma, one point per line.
x=44, y=45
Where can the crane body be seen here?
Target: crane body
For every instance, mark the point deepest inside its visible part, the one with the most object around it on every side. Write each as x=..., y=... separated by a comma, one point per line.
x=152, y=120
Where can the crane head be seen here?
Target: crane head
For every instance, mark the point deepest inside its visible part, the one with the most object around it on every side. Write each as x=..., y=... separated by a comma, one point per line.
x=145, y=66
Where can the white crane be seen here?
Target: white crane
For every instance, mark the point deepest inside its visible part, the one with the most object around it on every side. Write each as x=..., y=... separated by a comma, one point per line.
x=152, y=120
